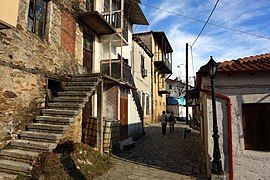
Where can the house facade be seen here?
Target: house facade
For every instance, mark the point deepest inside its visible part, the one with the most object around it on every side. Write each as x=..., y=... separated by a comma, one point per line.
x=158, y=43
x=142, y=77
x=65, y=63
x=242, y=98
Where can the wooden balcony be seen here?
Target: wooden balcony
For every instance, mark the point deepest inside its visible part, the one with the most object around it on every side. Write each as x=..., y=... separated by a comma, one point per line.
x=163, y=64
x=114, y=19
x=163, y=88
x=114, y=69
x=96, y=22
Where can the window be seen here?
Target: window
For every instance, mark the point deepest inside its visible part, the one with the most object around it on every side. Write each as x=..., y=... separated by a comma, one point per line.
x=142, y=62
x=147, y=105
x=256, y=125
x=116, y=4
x=106, y=5
x=90, y=5
x=37, y=17
x=170, y=86
x=143, y=70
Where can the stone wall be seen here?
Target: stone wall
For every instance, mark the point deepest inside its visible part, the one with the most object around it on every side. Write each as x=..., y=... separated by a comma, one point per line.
x=26, y=61
x=22, y=95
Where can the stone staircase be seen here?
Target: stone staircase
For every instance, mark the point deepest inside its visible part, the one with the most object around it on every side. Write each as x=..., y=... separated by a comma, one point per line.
x=46, y=130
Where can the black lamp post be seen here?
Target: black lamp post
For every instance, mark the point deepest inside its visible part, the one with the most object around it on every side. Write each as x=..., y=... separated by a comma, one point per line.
x=216, y=164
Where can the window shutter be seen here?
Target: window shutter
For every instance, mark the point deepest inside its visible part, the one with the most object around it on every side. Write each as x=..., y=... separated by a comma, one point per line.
x=249, y=128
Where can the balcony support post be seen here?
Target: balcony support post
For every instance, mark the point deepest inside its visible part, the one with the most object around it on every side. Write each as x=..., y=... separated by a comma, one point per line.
x=110, y=56
x=122, y=29
x=100, y=117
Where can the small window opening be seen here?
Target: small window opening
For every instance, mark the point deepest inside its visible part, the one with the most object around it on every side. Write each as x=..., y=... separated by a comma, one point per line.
x=53, y=87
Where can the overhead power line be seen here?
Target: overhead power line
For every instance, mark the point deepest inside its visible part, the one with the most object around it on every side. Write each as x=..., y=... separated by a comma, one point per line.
x=205, y=23
x=201, y=21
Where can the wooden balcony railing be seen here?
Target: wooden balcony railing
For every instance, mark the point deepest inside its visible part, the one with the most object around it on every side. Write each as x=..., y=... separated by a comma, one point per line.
x=163, y=62
x=114, y=19
x=163, y=88
x=116, y=69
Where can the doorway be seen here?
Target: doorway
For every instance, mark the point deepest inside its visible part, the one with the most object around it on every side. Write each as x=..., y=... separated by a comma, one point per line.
x=124, y=114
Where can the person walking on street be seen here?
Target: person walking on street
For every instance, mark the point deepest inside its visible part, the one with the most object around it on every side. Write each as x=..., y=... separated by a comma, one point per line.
x=171, y=122
x=163, y=122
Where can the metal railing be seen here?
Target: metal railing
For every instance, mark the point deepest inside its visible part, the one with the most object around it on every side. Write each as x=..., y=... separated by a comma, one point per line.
x=116, y=69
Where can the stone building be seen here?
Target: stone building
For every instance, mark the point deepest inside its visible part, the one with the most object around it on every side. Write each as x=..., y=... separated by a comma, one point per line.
x=160, y=46
x=243, y=108
x=40, y=62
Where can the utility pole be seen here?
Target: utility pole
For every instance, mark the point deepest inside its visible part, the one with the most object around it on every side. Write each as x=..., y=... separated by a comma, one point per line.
x=186, y=83
x=185, y=133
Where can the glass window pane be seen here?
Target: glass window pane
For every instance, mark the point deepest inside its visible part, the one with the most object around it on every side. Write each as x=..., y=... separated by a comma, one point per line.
x=39, y=28
x=31, y=9
x=40, y=10
x=30, y=25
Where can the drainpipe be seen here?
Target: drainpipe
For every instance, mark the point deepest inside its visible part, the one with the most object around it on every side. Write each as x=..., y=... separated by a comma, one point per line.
x=229, y=118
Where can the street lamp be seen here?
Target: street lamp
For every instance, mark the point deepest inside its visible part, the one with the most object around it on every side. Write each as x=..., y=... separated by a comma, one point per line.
x=211, y=67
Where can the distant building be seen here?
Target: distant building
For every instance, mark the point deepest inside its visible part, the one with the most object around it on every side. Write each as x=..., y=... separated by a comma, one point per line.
x=160, y=46
x=176, y=98
x=141, y=70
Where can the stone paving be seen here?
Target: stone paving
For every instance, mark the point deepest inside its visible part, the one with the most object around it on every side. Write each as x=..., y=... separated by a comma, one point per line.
x=157, y=156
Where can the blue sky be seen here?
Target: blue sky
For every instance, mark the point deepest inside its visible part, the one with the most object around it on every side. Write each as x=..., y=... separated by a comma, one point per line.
x=252, y=16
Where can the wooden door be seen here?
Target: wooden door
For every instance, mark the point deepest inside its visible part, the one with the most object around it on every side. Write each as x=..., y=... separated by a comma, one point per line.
x=123, y=116
x=88, y=52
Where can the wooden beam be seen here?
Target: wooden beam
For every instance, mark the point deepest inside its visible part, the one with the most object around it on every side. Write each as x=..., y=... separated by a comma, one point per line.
x=100, y=116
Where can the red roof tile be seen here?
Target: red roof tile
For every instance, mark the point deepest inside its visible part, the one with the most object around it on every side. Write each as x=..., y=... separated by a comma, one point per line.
x=252, y=63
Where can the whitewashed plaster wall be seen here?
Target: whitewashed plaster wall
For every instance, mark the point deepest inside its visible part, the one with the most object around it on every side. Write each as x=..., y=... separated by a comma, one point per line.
x=142, y=85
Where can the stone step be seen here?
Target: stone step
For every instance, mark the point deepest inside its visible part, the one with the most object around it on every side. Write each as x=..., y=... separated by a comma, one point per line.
x=88, y=75
x=54, y=119
x=85, y=79
x=18, y=155
x=7, y=176
x=35, y=146
x=47, y=127
x=70, y=99
x=76, y=93
x=15, y=166
x=78, y=88
x=60, y=112
x=40, y=136
x=66, y=105
x=79, y=83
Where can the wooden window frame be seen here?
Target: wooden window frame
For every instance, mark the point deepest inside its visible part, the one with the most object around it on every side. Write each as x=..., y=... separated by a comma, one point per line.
x=34, y=19
x=256, y=125
x=147, y=106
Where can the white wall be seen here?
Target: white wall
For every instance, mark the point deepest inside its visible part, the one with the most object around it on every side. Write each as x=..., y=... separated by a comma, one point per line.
x=143, y=84
x=240, y=88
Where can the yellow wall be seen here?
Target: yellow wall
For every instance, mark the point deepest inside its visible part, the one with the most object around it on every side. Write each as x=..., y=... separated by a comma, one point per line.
x=9, y=12
x=159, y=101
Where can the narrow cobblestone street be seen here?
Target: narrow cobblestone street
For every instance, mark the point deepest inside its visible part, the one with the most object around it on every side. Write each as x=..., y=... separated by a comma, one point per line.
x=158, y=156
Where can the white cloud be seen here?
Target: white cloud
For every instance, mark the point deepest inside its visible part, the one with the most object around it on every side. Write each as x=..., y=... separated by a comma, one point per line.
x=221, y=43
x=173, y=6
